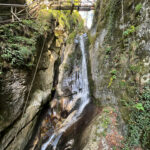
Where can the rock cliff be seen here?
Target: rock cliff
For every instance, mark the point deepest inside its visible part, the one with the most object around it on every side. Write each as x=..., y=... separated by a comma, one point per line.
x=30, y=57
x=118, y=53
x=120, y=71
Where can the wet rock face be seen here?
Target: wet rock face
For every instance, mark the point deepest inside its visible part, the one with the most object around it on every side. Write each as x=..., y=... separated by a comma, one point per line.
x=119, y=60
x=12, y=96
x=124, y=51
x=13, y=93
x=104, y=133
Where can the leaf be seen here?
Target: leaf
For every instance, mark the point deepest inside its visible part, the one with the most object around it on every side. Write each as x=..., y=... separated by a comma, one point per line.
x=139, y=106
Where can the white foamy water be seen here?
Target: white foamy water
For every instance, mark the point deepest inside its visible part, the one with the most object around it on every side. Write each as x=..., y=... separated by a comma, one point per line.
x=80, y=82
x=87, y=17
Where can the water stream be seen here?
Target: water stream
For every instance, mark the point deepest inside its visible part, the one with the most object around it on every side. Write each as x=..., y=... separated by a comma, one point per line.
x=79, y=86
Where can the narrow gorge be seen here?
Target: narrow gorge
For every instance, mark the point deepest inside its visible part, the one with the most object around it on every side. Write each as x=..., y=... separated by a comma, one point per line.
x=75, y=75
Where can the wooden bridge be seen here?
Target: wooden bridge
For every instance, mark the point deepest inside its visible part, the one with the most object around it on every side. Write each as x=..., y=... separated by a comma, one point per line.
x=16, y=12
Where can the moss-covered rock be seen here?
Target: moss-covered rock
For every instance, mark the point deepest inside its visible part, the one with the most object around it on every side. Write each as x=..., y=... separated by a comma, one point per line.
x=118, y=50
x=22, y=44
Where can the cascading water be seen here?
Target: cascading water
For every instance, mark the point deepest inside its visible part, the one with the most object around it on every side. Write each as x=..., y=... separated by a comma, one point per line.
x=80, y=86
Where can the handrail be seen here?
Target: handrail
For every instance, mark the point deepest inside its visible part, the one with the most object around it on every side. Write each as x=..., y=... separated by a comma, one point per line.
x=17, y=10
x=12, y=5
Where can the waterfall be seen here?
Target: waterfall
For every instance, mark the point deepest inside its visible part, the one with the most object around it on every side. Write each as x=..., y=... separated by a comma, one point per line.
x=85, y=84
x=81, y=82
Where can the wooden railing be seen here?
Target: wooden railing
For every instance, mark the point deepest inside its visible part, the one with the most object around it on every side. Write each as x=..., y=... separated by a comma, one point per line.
x=17, y=12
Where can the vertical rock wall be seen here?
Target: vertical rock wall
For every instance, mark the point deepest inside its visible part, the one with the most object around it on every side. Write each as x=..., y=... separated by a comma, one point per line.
x=120, y=66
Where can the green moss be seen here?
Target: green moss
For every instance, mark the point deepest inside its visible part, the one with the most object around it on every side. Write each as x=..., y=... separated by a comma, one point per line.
x=66, y=20
x=18, y=40
x=96, y=13
x=113, y=72
x=139, y=123
x=92, y=38
x=108, y=50
x=129, y=31
x=110, y=82
x=112, y=9
x=138, y=7
x=18, y=45
x=122, y=84
x=135, y=68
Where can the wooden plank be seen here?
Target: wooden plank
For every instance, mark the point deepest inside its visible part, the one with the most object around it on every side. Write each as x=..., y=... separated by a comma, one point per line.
x=75, y=3
x=70, y=8
x=53, y=6
x=12, y=5
x=15, y=16
x=13, y=19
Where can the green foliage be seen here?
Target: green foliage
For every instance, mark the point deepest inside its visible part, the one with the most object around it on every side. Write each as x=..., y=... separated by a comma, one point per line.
x=72, y=23
x=25, y=52
x=108, y=50
x=72, y=36
x=105, y=122
x=18, y=43
x=122, y=83
x=7, y=56
x=18, y=40
x=24, y=40
x=112, y=12
x=28, y=22
x=65, y=19
x=139, y=106
x=107, y=57
x=113, y=77
x=139, y=123
x=129, y=31
x=20, y=56
x=138, y=7
x=113, y=72
x=37, y=25
x=110, y=82
x=124, y=102
x=135, y=68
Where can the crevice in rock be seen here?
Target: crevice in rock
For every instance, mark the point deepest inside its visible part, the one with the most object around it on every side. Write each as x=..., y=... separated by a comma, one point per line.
x=44, y=109
x=20, y=131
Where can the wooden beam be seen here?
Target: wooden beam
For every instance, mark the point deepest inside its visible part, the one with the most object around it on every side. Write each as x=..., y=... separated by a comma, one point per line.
x=15, y=16
x=71, y=6
x=76, y=7
x=80, y=8
x=12, y=5
x=12, y=16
